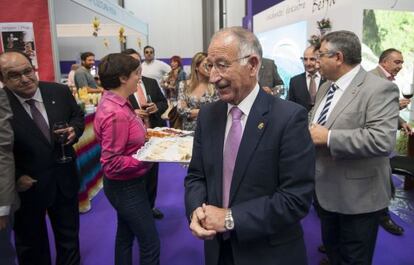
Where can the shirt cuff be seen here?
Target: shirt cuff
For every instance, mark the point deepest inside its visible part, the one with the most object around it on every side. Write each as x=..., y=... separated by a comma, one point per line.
x=4, y=210
x=329, y=138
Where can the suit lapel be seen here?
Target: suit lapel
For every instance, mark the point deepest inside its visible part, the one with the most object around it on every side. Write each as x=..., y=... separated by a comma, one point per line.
x=255, y=126
x=220, y=120
x=305, y=90
x=24, y=120
x=350, y=93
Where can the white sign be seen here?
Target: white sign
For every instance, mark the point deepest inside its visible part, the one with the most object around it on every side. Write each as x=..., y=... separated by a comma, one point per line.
x=115, y=13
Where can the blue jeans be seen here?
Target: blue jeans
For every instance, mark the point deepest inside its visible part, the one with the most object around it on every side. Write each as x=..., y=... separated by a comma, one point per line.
x=130, y=200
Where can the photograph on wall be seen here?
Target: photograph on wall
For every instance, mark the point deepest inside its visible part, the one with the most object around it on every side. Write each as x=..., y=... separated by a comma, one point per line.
x=19, y=36
x=285, y=45
x=384, y=29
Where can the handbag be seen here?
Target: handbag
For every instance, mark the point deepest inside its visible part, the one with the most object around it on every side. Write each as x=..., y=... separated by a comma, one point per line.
x=175, y=119
x=171, y=114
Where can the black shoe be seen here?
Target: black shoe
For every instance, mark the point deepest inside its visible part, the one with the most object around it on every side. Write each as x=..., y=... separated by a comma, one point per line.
x=389, y=225
x=324, y=261
x=322, y=249
x=157, y=213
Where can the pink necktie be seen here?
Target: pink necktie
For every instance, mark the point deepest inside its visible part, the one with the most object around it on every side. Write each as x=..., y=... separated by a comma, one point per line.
x=231, y=148
x=140, y=94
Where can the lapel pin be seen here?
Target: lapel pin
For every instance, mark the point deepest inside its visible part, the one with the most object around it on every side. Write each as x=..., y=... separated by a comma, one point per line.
x=260, y=126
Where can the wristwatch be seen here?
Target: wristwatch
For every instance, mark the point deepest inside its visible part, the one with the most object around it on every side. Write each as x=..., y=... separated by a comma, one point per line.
x=228, y=221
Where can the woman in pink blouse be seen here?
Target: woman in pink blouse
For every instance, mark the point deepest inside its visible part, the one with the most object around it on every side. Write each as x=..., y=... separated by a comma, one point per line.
x=121, y=133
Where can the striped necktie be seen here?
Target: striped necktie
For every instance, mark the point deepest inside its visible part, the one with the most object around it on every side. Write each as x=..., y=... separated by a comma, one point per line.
x=325, y=109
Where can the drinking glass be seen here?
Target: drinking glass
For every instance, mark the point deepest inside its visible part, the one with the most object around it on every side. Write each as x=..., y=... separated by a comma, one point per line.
x=407, y=93
x=61, y=136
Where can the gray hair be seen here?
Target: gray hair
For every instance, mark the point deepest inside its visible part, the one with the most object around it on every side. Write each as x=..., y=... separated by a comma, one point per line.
x=347, y=43
x=248, y=42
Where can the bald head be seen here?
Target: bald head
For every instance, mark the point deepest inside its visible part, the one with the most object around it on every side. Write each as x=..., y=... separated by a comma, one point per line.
x=309, y=60
x=17, y=74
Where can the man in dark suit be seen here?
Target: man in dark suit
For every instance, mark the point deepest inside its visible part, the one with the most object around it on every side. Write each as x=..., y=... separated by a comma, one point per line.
x=44, y=185
x=303, y=87
x=354, y=129
x=269, y=78
x=250, y=180
x=150, y=111
x=9, y=200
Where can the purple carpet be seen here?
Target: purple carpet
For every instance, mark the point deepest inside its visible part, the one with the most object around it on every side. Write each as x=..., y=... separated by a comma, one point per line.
x=179, y=247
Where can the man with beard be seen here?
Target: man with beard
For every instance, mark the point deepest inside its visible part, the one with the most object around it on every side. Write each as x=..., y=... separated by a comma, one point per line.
x=45, y=184
x=83, y=76
x=250, y=180
x=303, y=87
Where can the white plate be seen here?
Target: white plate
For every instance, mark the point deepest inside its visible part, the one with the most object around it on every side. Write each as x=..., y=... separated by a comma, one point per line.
x=167, y=149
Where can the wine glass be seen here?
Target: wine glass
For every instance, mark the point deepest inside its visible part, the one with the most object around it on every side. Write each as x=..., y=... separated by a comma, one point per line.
x=61, y=136
x=407, y=93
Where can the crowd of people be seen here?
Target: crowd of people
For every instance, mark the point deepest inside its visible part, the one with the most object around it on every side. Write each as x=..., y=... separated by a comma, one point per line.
x=258, y=161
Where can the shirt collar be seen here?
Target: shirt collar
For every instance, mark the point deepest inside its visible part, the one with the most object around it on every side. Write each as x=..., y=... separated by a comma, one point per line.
x=111, y=96
x=246, y=104
x=344, y=81
x=387, y=75
x=37, y=97
x=316, y=74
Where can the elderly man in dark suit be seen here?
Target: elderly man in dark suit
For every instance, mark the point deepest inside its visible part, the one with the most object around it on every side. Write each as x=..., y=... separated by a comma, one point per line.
x=303, y=87
x=250, y=180
x=44, y=184
x=149, y=103
x=8, y=196
x=354, y=129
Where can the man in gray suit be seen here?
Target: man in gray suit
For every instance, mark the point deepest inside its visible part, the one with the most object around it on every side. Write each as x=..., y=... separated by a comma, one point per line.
x=269, y=78
x=354, y=129
x=8, y=195
x=389, y=65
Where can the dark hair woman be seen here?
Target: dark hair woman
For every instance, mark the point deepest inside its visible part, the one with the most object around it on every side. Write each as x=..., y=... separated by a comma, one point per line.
x=121, y=133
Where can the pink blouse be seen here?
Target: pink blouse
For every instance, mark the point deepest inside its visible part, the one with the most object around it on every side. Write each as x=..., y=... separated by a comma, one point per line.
x=120, y=133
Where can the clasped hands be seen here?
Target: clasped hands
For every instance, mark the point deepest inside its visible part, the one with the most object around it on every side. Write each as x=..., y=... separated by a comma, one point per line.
x=207, y=221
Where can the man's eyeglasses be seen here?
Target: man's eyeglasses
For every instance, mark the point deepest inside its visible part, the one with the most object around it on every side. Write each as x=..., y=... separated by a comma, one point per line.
x=319, y=55
x=17, y=76
x=148, y=52
x=222, y=67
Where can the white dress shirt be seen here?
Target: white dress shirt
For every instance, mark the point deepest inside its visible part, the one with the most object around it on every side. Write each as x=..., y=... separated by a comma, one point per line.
x=155, y=69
